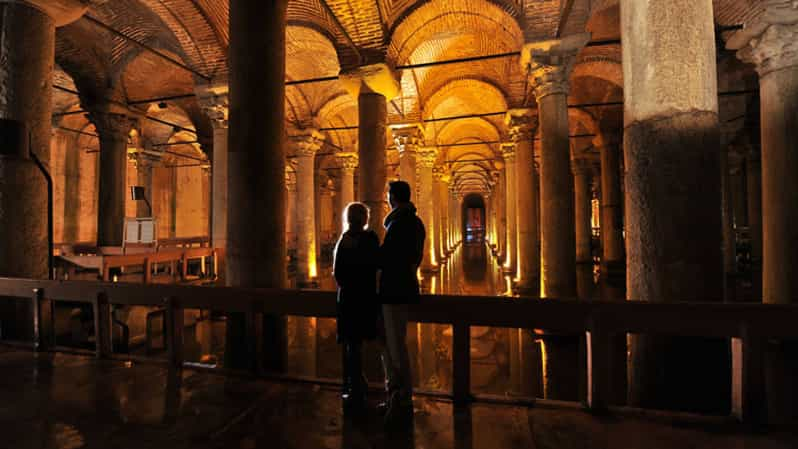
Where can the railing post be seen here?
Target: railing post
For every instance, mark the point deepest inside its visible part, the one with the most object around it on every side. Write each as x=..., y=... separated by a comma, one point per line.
x=461, y=361
x=599, y=369
x=748, y=380
x=43, y=326
x=184, y=268
x=147, y=270
x=103, y=340
x=174, y=332
x=254, y=335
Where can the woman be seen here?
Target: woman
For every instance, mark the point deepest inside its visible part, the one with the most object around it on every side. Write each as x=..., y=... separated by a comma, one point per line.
x=355, y=270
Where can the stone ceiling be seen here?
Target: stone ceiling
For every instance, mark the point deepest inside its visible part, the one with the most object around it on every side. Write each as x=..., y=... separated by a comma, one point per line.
x=325, y=36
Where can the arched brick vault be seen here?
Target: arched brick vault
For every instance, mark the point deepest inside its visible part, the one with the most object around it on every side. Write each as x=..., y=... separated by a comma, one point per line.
x=403, y=31
x=310, y=54
x=455, y=29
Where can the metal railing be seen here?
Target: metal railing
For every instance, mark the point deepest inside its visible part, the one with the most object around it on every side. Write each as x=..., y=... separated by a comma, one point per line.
x=749, y=325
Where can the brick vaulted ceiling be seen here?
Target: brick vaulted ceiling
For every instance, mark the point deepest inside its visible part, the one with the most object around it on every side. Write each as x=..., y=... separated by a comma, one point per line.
x=327, y=36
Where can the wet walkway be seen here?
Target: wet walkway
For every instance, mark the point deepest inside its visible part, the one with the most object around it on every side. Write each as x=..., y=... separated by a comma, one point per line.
x=75, y=402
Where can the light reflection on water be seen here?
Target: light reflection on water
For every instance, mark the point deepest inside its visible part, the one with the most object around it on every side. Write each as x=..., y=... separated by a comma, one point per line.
x=506, y=362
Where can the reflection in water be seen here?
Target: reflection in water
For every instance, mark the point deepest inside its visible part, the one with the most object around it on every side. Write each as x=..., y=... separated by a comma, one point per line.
x=506, y=362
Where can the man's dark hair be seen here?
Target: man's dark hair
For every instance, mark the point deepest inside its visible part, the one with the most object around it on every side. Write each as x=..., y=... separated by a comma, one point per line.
x=400, y=190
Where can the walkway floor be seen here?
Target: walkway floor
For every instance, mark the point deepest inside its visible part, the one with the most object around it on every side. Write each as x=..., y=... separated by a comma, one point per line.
x=72, y=402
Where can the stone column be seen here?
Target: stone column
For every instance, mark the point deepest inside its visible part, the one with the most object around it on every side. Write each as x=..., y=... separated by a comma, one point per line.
x=256, y=168
x=348, y=164
x=753, y=177
x=673, y=198
x=501, y=212
x=373, y=86
x=27, y=54
x=304, y=147
x=408, y=139
x=612, y=246
x=582, y=170
x=441, y=220
x=113, y=129
x=290, y=207
x=510, y=213
x=549, y=66
x=520, y=123
x=144, y=164
x=771, y=44
x=426, y=206
x=214, y=100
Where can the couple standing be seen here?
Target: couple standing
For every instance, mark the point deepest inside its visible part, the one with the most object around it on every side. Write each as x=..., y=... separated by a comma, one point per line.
x=361, y=305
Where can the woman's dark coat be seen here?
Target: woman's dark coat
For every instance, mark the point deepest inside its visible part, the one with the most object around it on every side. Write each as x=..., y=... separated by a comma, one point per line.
x=400, y=256
x=355, y=271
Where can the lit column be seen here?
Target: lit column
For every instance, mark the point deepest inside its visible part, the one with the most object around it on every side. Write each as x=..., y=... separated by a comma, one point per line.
x=373, y=86
x=612, y=247
x=582, y=170
x=113, y=129
x=673, y=197
x=511, y=202
x=304, y=147
x=348, y=164
x=549, y=66
x=408, y=139
x=215, y=102
x=144, y=165
x=426, y=205
x=441, y=219
x=520, y=123
x=290, y=207
x=770, y=44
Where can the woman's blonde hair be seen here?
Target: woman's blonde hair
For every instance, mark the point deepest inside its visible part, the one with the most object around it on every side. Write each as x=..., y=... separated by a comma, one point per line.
x=356, y=216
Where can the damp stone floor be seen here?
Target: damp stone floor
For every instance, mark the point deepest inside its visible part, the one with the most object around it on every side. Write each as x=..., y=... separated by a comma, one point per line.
x=63, y=401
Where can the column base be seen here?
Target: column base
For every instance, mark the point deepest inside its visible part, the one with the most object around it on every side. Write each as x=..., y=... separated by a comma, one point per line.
x=527, y=287
x=430, y=269
x=308, y=284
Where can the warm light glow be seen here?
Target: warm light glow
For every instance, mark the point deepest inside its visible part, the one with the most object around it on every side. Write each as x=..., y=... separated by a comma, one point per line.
x=312, y=268
x=544, y=358
x=434, y=285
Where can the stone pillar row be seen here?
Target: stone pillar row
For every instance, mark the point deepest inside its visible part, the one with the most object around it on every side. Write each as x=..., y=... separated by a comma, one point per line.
x=771, y=44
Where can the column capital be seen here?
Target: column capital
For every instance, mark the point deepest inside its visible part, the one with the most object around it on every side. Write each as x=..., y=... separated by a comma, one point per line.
x=520, y=124
x=582, y=166
x=549, y=63
x=144, y=158
x=348, y=161
x=407, y=137
x=110, y=124
x=770, y=43
x=214, y=99
x=375, y=78
x=604, y=140
x=508, y=151
x=427, y=157
x=63, y=12
x=306, y=143
x=441, y=175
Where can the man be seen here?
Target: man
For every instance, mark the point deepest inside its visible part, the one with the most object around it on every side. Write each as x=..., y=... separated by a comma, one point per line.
x=400, y=256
